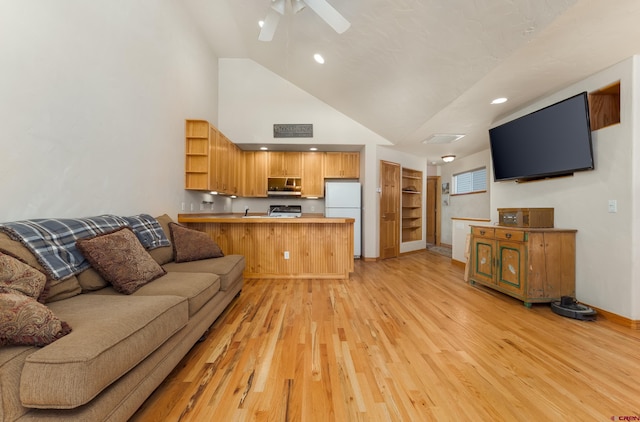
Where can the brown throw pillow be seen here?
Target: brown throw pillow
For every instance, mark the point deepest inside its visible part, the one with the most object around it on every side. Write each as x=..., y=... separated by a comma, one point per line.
x=192, y=245
x=120, y=258
x=25, y=322
x=18, y=277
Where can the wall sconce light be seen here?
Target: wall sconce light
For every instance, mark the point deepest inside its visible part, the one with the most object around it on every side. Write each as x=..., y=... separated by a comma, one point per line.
x=448, y=158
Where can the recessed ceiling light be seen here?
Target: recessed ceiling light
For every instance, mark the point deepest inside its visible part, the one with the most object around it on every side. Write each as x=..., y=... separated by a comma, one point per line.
x=260, y=24
x=499, y=100
x=263, y=148
x=313, y=149
x=318, y=58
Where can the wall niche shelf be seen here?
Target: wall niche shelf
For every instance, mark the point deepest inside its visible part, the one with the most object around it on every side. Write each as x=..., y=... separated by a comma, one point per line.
x=604, y=106
x=411, y=205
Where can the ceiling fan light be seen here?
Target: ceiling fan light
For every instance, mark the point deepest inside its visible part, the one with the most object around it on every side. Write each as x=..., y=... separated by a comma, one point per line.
x=448, y=158
x=278, y=6
x=297, y=5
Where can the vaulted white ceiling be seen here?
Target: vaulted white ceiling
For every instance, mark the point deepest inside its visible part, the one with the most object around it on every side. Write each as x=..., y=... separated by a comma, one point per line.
x=408, y=69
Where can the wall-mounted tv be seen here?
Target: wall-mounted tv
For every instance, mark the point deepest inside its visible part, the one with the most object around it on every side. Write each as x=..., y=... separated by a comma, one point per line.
x=552, y=141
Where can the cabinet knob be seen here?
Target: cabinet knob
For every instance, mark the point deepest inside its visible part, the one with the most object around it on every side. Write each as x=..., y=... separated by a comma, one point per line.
x=482, y=232
x=508, y=235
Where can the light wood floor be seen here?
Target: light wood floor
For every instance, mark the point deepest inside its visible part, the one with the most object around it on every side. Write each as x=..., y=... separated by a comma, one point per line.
x=403, y=339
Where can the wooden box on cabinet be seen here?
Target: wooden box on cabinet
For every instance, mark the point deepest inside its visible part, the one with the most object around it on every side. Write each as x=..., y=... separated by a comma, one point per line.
x=533, y=265
x=525, y=217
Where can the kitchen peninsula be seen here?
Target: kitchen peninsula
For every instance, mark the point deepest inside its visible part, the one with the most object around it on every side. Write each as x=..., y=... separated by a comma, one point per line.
x=310, y=246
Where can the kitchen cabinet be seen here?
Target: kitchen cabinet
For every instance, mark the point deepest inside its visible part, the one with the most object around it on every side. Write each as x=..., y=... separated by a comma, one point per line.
x=212, y=161
x=285, y=164
x=342, y=165
x=255, y=174
x=533, y=265
x=312, y=175
x=198, y=140
x=411, y=205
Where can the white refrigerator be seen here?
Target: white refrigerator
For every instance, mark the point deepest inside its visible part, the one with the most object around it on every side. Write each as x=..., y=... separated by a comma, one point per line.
x=343, y=200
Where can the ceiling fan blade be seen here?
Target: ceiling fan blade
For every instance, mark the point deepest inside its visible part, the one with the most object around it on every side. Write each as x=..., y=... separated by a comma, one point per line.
x=269, y=27
x=329, y=14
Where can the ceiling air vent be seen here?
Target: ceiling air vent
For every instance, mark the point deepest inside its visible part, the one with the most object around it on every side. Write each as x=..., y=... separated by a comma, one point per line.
x=442, y=138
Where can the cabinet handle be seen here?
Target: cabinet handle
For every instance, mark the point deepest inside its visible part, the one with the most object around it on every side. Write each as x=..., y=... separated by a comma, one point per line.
x=482, y=232
x=508, y=235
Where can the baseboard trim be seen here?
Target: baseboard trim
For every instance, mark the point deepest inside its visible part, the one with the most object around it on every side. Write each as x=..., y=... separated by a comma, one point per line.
x=457, y=263
x=634, y=324
x=412, y=252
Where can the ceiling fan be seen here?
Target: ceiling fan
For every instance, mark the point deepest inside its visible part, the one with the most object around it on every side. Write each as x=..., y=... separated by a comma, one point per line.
x=321, y=7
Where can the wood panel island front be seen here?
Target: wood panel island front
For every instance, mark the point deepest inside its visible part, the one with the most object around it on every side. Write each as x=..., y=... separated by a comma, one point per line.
x=302, y=247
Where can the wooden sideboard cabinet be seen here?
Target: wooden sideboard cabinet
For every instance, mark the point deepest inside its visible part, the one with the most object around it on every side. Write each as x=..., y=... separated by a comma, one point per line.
x=533, y=265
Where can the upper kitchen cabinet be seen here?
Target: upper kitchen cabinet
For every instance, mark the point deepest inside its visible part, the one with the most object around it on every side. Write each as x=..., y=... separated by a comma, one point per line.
x=342, y=165
x=198, y=140
x=285, y=164
x=255, y=174
x=212, y=162
x=312, y=175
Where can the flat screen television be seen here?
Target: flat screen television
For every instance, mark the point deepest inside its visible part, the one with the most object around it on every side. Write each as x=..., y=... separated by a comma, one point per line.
x=553, y=141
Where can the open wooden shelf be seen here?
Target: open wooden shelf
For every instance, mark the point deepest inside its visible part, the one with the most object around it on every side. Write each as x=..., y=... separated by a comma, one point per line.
x=411, y=205
x=604, y=106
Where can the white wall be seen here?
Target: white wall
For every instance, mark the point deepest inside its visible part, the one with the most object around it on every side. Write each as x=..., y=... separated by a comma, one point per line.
x=607, y=273
x=249, y=89
x=93, y=101
x=475, y=205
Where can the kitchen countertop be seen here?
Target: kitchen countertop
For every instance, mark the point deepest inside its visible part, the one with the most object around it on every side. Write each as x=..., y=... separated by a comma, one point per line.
x=261, y=218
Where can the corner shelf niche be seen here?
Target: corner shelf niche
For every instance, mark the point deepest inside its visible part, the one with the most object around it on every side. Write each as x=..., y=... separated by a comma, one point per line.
x=604, y=106
x=197, y=155
x=411, y=205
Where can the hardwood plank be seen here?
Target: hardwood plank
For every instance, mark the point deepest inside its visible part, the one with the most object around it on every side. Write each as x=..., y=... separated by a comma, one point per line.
x=401, y=339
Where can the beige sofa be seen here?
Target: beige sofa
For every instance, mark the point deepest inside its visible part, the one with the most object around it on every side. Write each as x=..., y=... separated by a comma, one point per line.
x=121, y=347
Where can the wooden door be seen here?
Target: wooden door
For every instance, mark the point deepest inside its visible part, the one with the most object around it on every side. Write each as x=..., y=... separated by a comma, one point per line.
x=433, y=214
x=389, y=209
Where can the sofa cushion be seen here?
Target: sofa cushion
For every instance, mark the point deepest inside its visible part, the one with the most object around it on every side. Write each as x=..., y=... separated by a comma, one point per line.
x=197, y=288
x=26, y=322
x=18, y=277
x=111, y=335
x=229, y=268
x=120, y=258
x=90, y=280
x=192, y=245
x=163, y=254
x=55, y=289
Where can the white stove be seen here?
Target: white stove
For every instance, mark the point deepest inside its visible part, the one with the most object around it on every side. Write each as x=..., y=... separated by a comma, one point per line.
x=285, y=211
